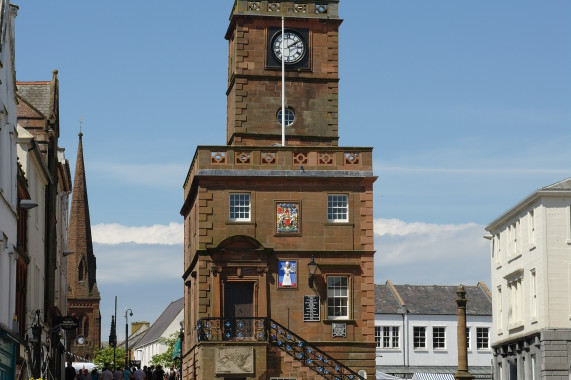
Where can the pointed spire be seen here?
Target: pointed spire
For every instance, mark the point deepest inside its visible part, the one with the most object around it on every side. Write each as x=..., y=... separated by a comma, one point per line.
x=79, y=236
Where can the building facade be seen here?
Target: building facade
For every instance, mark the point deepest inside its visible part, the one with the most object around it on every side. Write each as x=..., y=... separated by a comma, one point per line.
x=531, y=278
x=44, y=237
x=9, y=257
x=83, y=296
x=279, y=221
x=416, y=329
x=152, y=342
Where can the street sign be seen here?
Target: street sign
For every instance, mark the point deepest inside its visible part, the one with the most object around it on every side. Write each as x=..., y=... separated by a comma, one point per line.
x=69, y=323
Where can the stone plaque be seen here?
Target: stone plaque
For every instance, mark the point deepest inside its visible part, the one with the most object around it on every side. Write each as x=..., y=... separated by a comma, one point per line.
x=234, y=360
x=311, y=309
x=339, y=330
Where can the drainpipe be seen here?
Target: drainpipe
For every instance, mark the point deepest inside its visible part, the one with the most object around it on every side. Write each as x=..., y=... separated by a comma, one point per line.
x=405, y=359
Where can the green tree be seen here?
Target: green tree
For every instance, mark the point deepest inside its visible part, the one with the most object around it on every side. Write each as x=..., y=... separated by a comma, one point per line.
x=105, y=356
x=165, y=359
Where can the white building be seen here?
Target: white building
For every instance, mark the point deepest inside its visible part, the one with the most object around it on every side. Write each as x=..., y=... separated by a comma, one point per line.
x=531, y=278
x=168, y=323
x=416, y=329
x=9, y=344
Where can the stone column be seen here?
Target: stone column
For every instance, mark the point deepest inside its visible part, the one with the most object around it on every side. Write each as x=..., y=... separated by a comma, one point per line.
x=461, y=301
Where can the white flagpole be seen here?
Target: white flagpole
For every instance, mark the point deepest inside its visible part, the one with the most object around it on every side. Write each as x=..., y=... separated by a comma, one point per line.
x=283, y=84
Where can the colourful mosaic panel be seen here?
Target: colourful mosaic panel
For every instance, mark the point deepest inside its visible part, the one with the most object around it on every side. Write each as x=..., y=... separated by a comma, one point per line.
x=287, y=218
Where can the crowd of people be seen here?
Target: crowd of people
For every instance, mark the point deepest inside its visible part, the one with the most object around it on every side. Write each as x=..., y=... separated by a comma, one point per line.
x=147, y=373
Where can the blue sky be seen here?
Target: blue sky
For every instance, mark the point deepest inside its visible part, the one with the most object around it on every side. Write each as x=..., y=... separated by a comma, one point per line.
x=467, y=104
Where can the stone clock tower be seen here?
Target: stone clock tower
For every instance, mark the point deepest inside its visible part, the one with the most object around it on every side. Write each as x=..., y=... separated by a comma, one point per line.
x=279, y=249
x=312, y=75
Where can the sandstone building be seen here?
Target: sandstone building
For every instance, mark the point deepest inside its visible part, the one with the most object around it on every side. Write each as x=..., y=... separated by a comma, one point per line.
x=279, y=237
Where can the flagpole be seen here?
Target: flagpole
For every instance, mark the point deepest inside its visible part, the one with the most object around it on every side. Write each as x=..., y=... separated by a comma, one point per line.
x=283, y=83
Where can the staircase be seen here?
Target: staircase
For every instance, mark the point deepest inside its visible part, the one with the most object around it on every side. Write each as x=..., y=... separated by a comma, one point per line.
x=266, y=329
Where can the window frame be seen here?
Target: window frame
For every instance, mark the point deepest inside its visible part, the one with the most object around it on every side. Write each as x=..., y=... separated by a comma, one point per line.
x=415, y=336
x=234, y=209
x=480, y=338
x=346, y=297
x=333, y=211
x=439, y=338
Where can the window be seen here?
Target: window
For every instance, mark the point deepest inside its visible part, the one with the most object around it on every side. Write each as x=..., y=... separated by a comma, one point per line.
x=338, y=297
x=500, y=309
x=533, y=294
x=419, y=336
x=81, y=270
x=378, y=336
x=240, y=207
x=468, y=338
x=515, y=314
x=86, y=328
x=483, y=338
x=337, y=208
x=438, y=338
x=531, y=228
x=289, y=117
x=387, y=336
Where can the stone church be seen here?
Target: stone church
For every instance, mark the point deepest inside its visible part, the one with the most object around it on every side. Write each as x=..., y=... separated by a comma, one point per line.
x=279, y=221
x=83, y=296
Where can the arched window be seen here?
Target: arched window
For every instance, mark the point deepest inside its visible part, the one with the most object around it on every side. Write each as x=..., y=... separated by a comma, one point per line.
x=81, y=270
x=79, y=325
x=86, y=327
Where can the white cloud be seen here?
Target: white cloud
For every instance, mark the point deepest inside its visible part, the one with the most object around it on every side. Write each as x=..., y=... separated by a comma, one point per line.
x=163, y=175
x=172, y=234
x=143, y=265
x=414, y=253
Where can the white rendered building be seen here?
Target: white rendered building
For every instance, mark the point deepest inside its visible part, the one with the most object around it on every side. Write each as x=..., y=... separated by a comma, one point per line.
x=168, y=323
x=9, y=345
x=531, y=280
x=416, y=329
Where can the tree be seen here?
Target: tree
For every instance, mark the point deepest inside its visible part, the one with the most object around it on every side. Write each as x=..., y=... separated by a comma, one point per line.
x=105, y=356
x=165, y=359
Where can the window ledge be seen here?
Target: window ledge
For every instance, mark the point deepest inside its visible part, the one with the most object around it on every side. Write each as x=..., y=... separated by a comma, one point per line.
x=515, y=257
x=346, y=224
x=347, y=321
x=532, y=247
x=569, y=241
x=535, y=320
x=240, y=222
x=515, y=326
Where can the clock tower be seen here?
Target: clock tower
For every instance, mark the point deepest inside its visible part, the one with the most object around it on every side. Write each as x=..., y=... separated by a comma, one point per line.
x=311, y=45
x=279, y=251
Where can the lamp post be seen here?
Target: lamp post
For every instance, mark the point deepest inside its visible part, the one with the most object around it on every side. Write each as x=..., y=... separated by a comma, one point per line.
x=127, y=337
x=311, y=268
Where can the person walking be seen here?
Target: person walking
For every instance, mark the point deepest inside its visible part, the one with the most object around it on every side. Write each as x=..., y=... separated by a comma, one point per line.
x=94, y=374
x=106, y=374
x=118, y=375
x=69, y=372
x=159, y=374
x=139, y=374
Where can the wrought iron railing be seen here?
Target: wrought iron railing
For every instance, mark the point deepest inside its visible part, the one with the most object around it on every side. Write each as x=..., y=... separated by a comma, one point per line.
x=265, y=329
x=231, y=329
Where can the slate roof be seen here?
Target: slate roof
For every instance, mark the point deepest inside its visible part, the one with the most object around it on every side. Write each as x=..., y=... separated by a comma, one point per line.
x=430, y=300
x=37, y=94
x=561, y=185
x=162, y=322
x=386, y=301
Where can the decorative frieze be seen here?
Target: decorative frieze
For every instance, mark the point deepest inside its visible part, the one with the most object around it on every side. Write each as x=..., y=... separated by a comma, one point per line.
x=274, y=7
x=218, y=157
x=254, y=6
x=299, y=8
x=243, y=157
x=268, y=158
x=321, y=9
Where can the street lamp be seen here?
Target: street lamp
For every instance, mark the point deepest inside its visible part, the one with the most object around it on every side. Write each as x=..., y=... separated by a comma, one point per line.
x=127, y=337
x=312, y=268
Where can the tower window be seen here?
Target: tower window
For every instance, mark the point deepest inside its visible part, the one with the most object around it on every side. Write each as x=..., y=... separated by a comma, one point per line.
x=240, y=207
x=337, y=208
x=338, y=297
x=289, y=117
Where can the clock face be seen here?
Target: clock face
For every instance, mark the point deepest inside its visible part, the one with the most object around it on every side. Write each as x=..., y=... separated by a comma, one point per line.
x=294, y=47
x=80, y=340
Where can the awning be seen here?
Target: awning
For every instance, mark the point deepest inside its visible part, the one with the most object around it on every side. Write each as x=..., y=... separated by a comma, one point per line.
x=176, y=352
x=385, y=376
x=432, y=376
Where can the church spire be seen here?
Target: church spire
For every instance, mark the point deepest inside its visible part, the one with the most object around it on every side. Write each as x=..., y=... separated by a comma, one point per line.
x=82, y=266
